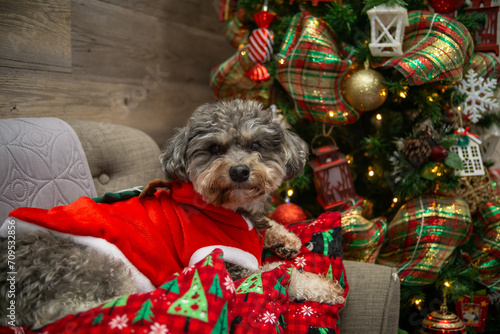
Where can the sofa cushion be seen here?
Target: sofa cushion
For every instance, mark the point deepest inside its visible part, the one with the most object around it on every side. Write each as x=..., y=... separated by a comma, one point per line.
x=43, y=164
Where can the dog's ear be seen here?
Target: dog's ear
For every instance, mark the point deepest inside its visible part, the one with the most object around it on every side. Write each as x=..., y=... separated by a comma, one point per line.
x=173, y=157
x=295, y=149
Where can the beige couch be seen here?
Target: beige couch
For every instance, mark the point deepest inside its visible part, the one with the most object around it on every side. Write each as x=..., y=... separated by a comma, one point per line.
x=120, y=157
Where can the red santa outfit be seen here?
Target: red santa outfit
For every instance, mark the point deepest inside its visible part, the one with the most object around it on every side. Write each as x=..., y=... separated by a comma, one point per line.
x=158, y=235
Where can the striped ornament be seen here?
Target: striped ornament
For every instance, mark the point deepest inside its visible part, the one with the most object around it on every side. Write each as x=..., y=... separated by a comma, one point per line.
x=261, y=45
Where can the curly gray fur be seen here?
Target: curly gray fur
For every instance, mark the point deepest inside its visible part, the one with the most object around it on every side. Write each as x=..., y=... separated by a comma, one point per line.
x=224, y=134
x=56, y=277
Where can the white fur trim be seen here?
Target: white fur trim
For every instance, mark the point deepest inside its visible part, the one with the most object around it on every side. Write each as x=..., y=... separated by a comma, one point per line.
x=250, y=225
x=231, y=254
x=142, y=283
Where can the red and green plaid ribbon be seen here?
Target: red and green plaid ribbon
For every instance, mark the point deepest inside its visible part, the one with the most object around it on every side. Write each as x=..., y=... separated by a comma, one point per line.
x=485, y=254
x=423, y=235
x=362, y=238
x=311, y=66
x=228, y=80
x=436, y=48
x=485, y=65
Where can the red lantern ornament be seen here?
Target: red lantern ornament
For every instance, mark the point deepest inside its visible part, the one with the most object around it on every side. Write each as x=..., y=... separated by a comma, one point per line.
x=332, y=177
x=446, y=6
x=261, y=45
x=488, y=36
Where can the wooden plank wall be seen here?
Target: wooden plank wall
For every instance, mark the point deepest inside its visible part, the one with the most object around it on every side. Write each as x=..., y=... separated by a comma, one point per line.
x=140, y=63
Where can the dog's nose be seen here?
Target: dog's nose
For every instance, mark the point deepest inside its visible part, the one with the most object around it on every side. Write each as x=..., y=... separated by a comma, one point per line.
x=239, y=173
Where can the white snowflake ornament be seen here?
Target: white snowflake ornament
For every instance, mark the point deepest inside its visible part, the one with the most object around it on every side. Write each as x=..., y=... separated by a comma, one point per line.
x=480, y=95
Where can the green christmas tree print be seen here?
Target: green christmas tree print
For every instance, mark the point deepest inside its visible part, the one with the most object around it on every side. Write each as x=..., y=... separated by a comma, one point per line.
x=193, y=304
x=280, y=288
x=122, y=301
x=220, y=326
x=252, y=283
x=329, y=274
x=98, y=319
x=171, y=286
x=144, y=313
x=209, y=261
x=215, y=287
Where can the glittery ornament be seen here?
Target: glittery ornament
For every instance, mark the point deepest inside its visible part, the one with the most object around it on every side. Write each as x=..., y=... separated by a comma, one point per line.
x=423, y=235
x=365, y=89
x=443, y=321
x=446, y=6
x=288, y=213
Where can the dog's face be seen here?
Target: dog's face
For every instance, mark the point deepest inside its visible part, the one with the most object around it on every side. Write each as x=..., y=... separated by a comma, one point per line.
x=234, y=153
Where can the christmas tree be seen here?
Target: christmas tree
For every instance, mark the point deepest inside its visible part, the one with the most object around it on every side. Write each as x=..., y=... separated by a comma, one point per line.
x=406, y=91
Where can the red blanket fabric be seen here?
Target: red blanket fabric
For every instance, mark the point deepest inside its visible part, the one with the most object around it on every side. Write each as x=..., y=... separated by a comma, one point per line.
x=158, y=234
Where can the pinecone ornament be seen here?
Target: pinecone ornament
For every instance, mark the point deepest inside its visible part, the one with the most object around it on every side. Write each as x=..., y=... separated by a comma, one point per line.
x=418, y=151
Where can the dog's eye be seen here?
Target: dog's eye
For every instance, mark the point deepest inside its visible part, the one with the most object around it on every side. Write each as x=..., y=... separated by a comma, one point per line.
x=255, y=146
x=216, y=149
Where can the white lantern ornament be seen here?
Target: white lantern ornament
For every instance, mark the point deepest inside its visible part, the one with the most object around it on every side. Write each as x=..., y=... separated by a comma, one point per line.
x=387, y=25
x=470, y=153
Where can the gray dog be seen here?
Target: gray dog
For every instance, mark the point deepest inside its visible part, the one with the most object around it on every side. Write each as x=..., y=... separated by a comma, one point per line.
x=235, y=154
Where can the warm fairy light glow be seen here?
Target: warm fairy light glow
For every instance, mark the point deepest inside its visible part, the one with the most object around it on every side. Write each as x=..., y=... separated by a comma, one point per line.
x=459, y=108
x=243, y=53
x=330, y=113
x=395, y=199
x=379, y=117
x=447, y=284
x=430, y=99
x=282, y=61
x=289, y=192
x=345, y=114
x=349, y=158
x=418, y=301
x=370, y=172
x=402, y=94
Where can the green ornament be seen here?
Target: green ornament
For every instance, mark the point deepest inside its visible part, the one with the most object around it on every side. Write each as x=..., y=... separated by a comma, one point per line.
x=463, y=141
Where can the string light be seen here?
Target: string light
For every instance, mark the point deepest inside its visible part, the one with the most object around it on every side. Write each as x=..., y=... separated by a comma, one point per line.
x=395, y=199
x=282, y=61
x=379, y=117
x=402, y=94
x=371, y=173
x=243, y=52
x=331, y=114
x=289, y=192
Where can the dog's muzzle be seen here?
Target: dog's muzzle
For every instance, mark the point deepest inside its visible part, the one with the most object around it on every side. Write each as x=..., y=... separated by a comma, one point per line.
x=239, y=173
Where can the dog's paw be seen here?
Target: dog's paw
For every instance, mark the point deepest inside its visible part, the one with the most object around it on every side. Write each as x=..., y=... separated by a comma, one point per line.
x=286, y=251
x=150, y=189
x=317, y=288
x=282, y=242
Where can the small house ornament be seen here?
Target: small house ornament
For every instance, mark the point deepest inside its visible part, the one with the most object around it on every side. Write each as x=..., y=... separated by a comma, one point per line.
x=387, y=25
x=470, y=153
x=332, y=177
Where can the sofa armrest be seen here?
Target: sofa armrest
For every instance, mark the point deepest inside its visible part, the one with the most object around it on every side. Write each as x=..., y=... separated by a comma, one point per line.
x=372, y=305
x=119, y=157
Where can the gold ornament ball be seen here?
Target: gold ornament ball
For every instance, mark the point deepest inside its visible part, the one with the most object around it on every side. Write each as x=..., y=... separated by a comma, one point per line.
x=364, y=90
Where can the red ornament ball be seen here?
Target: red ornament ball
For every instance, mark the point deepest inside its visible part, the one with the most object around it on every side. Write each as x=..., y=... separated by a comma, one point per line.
x=438, y=153
x=288, y=213
x=446, y=6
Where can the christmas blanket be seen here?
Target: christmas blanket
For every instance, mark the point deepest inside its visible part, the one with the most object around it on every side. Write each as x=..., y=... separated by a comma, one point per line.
x=156, y=236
